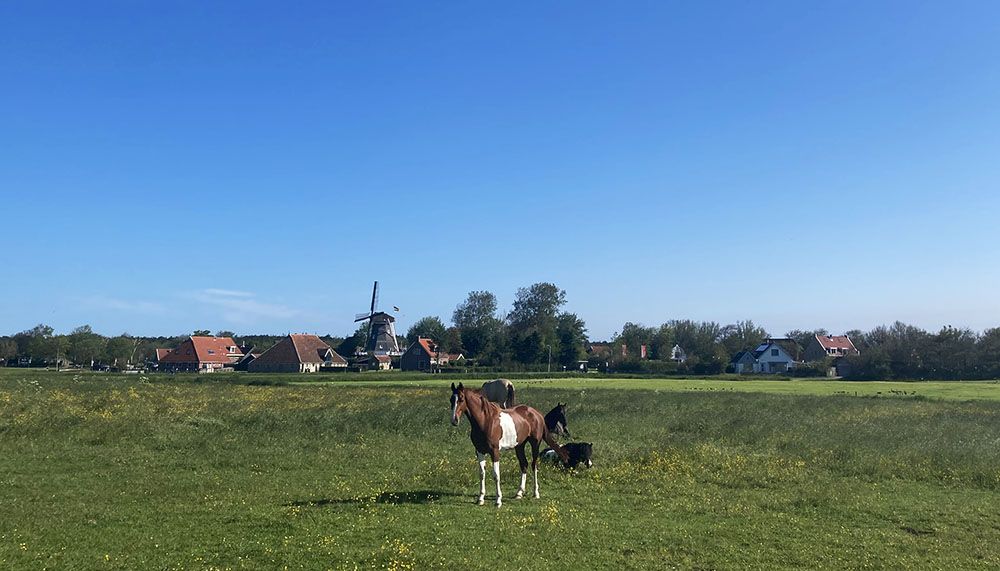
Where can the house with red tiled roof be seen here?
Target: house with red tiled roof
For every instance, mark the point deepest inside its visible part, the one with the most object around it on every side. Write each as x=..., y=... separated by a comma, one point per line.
x=822, y=347
x=421, y=355
x=200, y=354
x=297, y=353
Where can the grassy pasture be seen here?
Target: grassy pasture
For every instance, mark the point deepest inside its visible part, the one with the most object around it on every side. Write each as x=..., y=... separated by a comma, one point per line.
x=114, y=472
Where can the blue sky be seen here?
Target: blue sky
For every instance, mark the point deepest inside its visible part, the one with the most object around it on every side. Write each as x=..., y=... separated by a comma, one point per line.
x=255, y=166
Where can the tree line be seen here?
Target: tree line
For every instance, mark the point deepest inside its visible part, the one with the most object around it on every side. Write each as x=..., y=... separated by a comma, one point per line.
x=537, y=333
x=534, y=334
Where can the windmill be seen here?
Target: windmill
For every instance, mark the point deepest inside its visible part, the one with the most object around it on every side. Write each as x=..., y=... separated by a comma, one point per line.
x=382, y=333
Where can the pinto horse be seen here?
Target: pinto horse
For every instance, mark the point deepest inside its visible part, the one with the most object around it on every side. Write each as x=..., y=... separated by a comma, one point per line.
x=494, y=430
x=500, y=391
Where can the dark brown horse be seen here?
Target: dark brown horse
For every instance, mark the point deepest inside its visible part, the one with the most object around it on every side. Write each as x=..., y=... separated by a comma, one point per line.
x=494, y=430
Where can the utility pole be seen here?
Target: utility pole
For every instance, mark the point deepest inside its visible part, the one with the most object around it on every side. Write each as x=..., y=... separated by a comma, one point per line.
x=550, y=359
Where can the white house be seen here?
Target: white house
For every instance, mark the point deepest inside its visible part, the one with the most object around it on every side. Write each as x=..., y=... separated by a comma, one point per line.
x=772, y=358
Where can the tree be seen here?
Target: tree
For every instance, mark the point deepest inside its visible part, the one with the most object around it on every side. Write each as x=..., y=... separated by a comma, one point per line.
x=478, y=310
x=38, y=342
x=352, y=344
x=634, y=336
x=224, y=333
x=742, y=336
x=452, y=340
x=121, y=349
x=8, y=348
x=477, y=323
x=84, y=346
x=532, y=322
x=201, y=333
x=572, y=334
x=430, y=326
x=803, y=338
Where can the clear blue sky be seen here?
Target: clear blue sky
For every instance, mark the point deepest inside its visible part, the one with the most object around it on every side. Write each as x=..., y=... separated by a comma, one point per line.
x=255, y=166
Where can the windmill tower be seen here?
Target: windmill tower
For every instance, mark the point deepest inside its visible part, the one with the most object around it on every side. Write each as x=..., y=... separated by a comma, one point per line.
x=382, y=334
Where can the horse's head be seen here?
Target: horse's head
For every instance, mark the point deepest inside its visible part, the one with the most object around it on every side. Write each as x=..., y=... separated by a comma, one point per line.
x=458, y=403
x=559, y=413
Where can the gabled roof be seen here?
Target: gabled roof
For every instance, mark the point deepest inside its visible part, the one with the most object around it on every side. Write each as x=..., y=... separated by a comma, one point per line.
x=741, y=355
x=203, y=349
x=841, y=342
x=300, y=348
x=161, y=353
x=427, y=344
x=787, y=345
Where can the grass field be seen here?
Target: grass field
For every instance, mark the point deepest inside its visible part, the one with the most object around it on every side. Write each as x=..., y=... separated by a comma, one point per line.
x=125, y=472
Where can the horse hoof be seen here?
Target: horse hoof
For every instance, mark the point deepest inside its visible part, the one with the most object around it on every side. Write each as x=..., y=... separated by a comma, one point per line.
x=520, y=495
x=499, y=504
x=480, y=501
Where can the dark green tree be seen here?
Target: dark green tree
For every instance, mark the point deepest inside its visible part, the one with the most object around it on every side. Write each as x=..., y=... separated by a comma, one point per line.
x=84, y=346
x=477, y=323
x=742, y=336
x=532, y=322
x=430, y=326
x=572, y=334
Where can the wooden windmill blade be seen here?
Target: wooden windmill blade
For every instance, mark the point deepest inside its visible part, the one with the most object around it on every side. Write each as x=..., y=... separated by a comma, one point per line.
x=363, y=316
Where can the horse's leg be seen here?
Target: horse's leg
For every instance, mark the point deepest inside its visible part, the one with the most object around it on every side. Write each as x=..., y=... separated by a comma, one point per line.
x=534, y=464
x=482, y=477
x=523, y=461
x=496, y=474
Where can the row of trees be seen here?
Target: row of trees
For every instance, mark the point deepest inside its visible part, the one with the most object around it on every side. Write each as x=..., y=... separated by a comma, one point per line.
x=902, y=351
x=41, y=345
x=535, y=332
x=708, y=345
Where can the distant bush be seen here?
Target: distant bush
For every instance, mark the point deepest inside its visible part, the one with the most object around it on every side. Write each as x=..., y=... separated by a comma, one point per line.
x=646, y=367
x=811, y=369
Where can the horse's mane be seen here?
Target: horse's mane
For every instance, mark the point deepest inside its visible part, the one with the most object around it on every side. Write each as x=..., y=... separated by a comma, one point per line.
x=488, y=408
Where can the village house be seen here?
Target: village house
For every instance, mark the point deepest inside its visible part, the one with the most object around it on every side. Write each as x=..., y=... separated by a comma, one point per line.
x=829, y=346
x=771, y=356
x=421, y=355
x=677, y=354
x=743, y=362
x=200, y=354
x=297, y=353
x=372, y=362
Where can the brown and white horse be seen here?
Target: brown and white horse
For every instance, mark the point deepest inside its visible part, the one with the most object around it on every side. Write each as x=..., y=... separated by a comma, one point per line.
x=500, y=391
x=494, y=430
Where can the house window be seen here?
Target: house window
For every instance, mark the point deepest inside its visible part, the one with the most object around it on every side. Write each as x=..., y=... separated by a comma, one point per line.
x=774, y=352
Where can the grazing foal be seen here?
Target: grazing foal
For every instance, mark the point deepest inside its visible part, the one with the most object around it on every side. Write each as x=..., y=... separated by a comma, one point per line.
x=494, y=430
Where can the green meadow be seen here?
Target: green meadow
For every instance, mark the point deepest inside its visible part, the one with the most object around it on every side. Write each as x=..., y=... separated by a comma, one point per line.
x=365, y=472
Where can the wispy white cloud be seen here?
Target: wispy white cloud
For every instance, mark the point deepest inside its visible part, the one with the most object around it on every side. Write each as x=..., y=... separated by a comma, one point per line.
x=242, y=307
x=115, y=304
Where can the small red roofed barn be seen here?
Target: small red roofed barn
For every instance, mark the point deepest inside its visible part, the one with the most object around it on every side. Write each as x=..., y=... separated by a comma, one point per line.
x=297, y=353
x=200, y=354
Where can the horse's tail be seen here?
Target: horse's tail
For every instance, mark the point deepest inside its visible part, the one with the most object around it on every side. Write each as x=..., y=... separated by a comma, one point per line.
x=510, y=395
x=547, y=436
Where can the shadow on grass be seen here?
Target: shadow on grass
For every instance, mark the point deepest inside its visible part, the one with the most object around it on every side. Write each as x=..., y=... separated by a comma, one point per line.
x=393, y=498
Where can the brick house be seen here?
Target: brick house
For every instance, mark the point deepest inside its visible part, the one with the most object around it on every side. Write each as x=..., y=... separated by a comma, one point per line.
x=297, y=353
x=200, y=354
x=829, y=346
x=421, y=355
